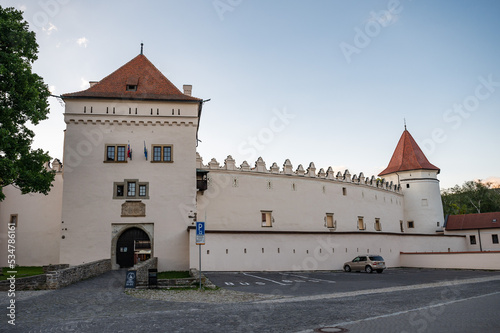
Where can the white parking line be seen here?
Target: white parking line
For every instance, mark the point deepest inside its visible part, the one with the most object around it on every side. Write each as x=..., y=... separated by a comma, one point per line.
x=310, y=279
x=258, y=277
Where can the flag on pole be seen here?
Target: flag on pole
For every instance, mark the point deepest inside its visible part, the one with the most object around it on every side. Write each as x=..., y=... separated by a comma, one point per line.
x=129, y=152
x=145, y=151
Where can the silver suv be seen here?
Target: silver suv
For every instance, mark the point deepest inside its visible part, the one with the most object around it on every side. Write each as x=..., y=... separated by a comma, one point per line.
x=367, y=263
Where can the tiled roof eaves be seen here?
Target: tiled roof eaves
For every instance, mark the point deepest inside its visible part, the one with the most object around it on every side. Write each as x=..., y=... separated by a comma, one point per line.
x=164, y=99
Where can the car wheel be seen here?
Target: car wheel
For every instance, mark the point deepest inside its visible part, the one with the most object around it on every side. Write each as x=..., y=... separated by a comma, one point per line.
x=368, y=269
x=347, y=268
x=380, y=271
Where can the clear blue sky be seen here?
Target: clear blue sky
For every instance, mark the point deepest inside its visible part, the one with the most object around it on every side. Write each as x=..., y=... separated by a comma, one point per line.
x=328, y=82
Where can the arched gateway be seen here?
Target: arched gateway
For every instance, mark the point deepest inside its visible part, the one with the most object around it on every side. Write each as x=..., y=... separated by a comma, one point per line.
x=132, y=246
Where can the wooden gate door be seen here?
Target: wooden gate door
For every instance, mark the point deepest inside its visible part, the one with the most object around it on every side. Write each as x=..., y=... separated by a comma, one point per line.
x=125, y=246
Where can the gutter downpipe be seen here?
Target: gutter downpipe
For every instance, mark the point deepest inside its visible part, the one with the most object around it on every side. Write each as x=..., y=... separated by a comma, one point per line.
x=480, y=245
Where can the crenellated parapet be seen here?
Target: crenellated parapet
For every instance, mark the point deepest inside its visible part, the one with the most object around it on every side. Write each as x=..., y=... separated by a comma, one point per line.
x=55, y=166
x=287, y=169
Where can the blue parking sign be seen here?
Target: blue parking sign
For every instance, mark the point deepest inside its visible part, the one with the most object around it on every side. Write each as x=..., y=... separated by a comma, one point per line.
x=200, y=233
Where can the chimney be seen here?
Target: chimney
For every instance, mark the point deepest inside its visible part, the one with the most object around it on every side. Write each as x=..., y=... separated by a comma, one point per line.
x=187, y=89
x=93, y=83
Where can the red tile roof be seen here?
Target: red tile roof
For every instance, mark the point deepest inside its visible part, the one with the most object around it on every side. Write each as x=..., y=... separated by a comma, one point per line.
x=151, y=84
x=408, y=156
x=473, y=221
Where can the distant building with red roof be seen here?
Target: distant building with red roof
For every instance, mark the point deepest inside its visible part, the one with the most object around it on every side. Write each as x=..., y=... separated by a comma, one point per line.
x=482, y=229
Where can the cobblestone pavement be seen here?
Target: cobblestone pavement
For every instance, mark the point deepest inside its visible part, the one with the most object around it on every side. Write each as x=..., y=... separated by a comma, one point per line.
x=100, y=305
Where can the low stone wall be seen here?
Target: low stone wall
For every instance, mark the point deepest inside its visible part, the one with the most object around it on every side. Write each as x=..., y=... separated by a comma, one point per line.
x=36, y=282
x=142, y=269
x=67, y=276
x=186, y=282
x=51, y=268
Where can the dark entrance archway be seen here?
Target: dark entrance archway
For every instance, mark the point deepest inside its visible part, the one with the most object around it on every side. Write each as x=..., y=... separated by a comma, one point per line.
x=131, y=243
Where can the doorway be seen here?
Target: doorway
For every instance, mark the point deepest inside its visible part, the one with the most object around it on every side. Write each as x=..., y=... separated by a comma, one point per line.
x=132, y=246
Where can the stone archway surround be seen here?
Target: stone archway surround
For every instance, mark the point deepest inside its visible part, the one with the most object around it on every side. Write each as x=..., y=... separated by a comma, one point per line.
x=117, y=229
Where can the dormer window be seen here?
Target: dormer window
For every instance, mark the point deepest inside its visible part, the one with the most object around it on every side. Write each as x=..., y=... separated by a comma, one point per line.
x=131, y=84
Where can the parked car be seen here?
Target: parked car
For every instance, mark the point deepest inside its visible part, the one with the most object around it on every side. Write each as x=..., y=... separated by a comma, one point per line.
x=367, y=263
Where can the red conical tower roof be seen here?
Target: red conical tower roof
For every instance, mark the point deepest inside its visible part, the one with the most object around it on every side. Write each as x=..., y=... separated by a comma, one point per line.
x=149, y=83
x=408, y=156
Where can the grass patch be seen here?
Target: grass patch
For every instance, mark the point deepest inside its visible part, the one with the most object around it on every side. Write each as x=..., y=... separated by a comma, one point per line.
x=22, y=271
x=173, y=275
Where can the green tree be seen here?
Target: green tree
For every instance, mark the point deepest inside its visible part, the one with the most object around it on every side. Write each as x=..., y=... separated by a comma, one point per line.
x=23, y=100
x=470, y=198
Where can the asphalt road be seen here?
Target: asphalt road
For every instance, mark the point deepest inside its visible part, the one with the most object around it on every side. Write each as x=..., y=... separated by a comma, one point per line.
x=399, y=301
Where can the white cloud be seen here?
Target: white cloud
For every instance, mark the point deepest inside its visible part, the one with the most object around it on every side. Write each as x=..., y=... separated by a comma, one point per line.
x=84, y=84
x=82, y=42
x=50, y=29
x=52, y=89
x=23, y=8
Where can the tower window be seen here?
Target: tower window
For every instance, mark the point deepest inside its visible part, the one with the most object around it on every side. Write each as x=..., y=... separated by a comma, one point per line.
x=411, y=224
x=407, y=185
x=115, y=153
x=162, y=153
x=131, y=189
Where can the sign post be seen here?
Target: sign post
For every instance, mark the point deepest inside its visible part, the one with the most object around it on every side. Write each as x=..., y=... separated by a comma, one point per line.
x=200, y=240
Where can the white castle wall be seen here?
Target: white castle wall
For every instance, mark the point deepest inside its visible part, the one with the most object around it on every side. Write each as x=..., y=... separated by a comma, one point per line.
x=299, y=238
x=299, y=200
x=37, y=235
x=258, y=251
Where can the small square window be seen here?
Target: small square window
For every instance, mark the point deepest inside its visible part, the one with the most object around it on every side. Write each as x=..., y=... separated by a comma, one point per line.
x=472, y=239
x=119, y=190
x=110, y=153
x=162, y=153
x=116, y=153
x=267, y=218
x=407, y=185
x=131, y=189
x=330, y=223
x=361, y=223
x=494, y=239
x=13, y=220
x=142, y=190
x=411, y=224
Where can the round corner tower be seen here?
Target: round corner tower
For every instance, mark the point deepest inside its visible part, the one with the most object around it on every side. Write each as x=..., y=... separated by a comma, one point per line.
x=417, y=177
